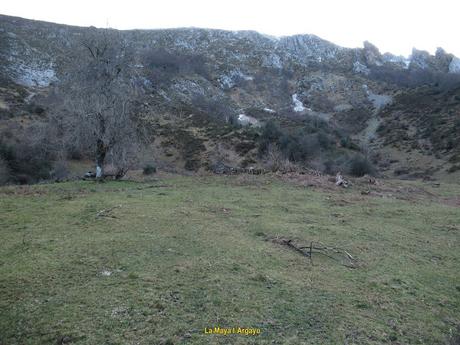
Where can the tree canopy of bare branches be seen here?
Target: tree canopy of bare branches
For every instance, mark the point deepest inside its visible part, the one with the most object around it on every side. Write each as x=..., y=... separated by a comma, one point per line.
x=96, y=101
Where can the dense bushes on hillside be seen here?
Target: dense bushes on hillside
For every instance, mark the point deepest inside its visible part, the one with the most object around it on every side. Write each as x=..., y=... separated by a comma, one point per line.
x=4, y=172
x=161, y=65
x=218, y=109
x=299, y=144
x=360, y=166
x=315, y=142
x=149, y=169
x=415, y=77
x=23, y=163
x=424, y=119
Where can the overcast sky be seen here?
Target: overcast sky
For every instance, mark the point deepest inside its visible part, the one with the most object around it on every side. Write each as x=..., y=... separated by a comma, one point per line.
x=393, y=25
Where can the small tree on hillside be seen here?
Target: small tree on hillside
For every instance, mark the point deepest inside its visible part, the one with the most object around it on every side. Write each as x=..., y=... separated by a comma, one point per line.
x=97, y=99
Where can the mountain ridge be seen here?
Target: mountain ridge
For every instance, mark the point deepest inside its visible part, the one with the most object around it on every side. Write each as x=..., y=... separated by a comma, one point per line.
x=242, y=31
x=304, y=48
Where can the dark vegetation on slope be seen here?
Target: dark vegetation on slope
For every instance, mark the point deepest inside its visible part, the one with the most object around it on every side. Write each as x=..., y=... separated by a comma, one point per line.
x=425, y=119
x=187, y=87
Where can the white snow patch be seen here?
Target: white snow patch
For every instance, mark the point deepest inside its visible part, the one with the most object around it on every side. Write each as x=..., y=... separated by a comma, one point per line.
x=298, y=105
x=245, y=120
x=106, y=273
x=270, y=111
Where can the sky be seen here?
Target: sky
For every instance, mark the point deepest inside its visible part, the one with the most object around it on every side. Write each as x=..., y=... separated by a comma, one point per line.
x=394, y=26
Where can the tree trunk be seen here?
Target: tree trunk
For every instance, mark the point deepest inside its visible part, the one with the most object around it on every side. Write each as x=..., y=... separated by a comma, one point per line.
x=101, y=151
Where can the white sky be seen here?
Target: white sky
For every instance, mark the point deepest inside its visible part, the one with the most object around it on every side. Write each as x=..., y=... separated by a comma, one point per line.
x=392, y=25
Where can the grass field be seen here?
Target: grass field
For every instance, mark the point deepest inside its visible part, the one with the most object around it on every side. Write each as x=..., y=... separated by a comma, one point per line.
x=158, y=262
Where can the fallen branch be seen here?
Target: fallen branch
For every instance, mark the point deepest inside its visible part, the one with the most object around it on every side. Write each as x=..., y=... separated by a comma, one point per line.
x=349, y=255
x=319, y=248
x=155, y=186
x=106, y=212
x=294, y=247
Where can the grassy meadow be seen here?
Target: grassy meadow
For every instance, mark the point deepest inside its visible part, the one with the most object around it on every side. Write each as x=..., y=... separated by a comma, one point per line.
x=160, y=261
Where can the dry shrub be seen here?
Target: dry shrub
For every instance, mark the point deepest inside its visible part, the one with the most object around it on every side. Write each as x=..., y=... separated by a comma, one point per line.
x=4, y=172
x=276, y=161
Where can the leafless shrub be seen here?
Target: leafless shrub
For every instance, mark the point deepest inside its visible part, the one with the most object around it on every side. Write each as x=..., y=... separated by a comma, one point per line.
x=28, y=155
x=276, y=161
x=274, y=157
x=60, y=170
x=4, y=172
x=215, y=108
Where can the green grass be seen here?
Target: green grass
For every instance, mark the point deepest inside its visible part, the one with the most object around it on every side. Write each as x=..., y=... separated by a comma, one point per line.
x=189, y=253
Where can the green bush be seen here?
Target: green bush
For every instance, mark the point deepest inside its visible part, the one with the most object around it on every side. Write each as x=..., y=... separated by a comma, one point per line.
x=149, y=169
x=360, y=166
x=233, y=121
x=60, y=171
x=26, y=163
x=299, y=147
x=348, y=143
x=271, y=133
x=307, y=141
x=4, y=172
x=453, y=168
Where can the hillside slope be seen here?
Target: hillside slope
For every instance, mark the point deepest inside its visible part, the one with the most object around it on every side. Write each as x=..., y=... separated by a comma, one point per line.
x=197, y=80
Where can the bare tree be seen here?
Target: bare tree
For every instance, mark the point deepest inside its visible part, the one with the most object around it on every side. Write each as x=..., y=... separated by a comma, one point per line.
x=98, y=98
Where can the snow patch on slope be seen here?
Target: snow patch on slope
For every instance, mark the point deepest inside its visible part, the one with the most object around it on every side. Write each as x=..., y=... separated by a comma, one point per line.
x=298, y=105
x=245, y=120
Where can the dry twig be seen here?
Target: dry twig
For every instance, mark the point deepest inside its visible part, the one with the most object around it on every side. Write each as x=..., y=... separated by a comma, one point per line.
x=344, y=257
x=106, y=212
